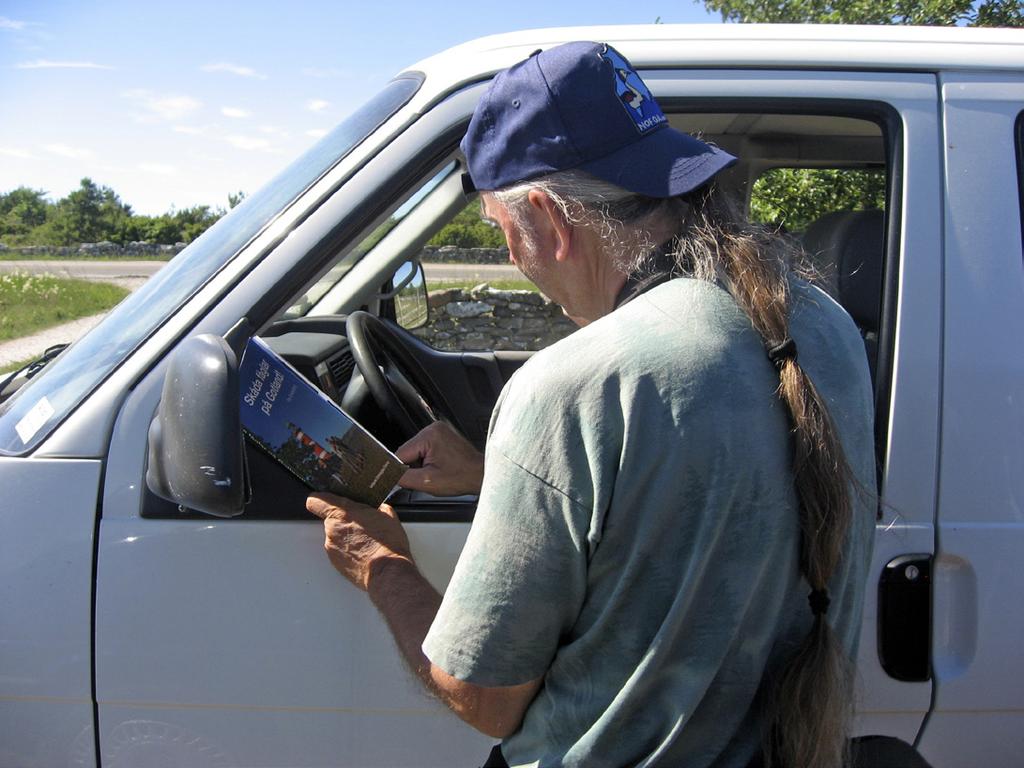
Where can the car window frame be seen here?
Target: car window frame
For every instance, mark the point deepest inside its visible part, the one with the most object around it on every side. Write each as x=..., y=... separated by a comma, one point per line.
x=1018, y=140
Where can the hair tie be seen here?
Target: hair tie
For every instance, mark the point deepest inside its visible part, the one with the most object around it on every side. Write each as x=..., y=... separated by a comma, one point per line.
x=819, y=600
x=781, y=352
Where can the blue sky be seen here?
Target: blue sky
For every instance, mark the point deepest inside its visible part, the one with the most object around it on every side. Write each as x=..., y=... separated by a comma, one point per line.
x=181, y=103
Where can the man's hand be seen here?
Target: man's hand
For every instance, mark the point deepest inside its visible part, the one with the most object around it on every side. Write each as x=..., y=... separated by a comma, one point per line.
x=358, y=538
x=451, y=466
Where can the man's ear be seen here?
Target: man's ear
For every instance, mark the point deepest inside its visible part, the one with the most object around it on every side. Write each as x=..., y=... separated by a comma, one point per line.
x=552, y=219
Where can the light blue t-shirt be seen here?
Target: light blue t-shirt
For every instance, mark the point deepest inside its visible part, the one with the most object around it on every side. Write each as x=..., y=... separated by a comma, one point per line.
x=636, y=538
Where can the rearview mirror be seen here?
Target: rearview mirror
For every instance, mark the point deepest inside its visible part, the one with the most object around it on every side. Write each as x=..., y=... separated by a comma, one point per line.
x=196, y=457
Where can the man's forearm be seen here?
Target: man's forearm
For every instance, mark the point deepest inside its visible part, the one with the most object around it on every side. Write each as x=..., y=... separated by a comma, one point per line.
x=369, y=548
x=409, y=604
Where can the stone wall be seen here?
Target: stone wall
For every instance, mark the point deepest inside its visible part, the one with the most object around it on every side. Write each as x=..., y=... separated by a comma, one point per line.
x=485, y=319
x=134, y=250
x=445, y=254
x=453, y=254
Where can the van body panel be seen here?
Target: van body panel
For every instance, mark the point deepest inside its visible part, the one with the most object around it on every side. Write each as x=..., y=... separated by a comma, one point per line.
x=979, y=581
x=47, y=517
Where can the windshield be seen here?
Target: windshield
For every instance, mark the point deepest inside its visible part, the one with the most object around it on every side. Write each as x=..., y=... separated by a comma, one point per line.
x=40, y=405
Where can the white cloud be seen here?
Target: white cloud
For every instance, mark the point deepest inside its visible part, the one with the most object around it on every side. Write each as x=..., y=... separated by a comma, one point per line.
x=75, y=153
x=6, y=23
x=165, y=107
x=158, y=168
x=317, y=105
x=191, y=130
x=325, y=72
x=249, y=143
x=15, y=152
x=49, y=64
x=317, y=133
x=273, y=130
x=234, y=112
x=234, y=69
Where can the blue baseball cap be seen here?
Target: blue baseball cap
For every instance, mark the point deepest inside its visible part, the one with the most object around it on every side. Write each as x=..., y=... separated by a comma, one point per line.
x=582, y=106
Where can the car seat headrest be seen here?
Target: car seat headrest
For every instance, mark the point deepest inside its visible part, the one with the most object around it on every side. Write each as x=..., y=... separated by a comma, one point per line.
x=852, y=241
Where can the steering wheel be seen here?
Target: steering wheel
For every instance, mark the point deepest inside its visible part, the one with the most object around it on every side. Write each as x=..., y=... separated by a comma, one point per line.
x=398, y=383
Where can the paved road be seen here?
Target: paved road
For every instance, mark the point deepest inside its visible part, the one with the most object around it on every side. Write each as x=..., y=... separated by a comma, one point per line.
x=481, y=272
x=86, y=269
x=132, y=274
x=115, y=271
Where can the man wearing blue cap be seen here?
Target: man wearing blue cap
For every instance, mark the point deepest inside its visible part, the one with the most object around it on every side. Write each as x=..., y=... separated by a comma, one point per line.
x=668, y=558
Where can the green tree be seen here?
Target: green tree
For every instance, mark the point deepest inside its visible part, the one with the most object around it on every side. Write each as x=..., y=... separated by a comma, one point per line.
x=115, y=216
x=163, y=229
x=93, y=213
x=136, y=228
x=794, y=197
x=21, y=211
x=78, y=219
x=192, y=222
x=90, y=214
x=469, y=230
x=988, y=13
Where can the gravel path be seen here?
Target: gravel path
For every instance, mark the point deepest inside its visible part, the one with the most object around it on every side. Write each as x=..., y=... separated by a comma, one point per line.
x=33, y=346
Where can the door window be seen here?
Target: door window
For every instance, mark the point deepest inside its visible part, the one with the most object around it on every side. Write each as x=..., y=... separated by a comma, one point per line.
x=478, y=300
x=823, y=180
x=833, y=202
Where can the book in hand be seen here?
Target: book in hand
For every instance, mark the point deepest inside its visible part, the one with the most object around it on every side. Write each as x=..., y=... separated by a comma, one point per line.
x=308, y=433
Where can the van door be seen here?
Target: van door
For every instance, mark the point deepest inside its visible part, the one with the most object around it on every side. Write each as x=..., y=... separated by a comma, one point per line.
x=978, y=665
x=235, y=642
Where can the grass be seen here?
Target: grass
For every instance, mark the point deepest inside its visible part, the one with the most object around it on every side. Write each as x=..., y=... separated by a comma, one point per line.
x=30, y=303
x=498, y=285
x=17, y=365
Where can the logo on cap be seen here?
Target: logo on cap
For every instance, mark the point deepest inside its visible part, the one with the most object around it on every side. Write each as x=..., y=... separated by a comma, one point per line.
x=633, y=93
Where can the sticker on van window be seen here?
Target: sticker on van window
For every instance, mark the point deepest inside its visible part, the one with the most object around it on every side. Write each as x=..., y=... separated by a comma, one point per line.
x=34, y=419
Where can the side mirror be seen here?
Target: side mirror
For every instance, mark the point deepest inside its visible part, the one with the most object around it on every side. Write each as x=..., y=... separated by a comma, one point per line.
x=196, y=456
x=409, y=291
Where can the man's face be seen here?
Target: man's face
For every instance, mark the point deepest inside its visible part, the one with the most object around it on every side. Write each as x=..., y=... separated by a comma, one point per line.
x=523, y=247
x=577, y=284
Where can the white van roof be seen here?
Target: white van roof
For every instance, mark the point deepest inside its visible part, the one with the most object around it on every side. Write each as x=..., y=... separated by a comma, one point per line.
x=808, y=46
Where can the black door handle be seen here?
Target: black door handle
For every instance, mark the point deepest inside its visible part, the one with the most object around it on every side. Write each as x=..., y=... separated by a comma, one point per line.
x=905, y=618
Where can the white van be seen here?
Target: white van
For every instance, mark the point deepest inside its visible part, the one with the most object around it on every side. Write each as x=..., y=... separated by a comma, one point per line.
x=138, y=632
